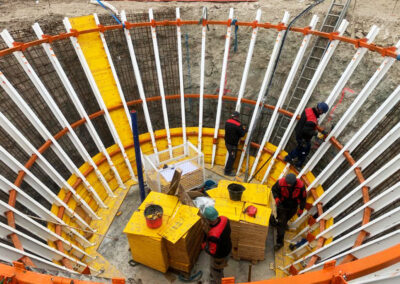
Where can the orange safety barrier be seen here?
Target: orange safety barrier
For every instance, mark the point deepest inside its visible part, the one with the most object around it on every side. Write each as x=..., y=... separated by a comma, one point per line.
x=47, y=144
x=332, y=274
x=17, y=274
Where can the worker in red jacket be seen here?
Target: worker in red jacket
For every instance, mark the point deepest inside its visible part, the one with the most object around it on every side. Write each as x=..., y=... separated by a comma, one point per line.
x=217, y=243
x=234, y=130
x=305, y=130
x=290, y=197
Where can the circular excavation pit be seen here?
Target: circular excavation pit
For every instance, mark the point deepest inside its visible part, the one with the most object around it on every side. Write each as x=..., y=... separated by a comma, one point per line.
x=68, y=164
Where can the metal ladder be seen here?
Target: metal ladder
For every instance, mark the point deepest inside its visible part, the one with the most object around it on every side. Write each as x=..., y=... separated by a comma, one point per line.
x=333, y=18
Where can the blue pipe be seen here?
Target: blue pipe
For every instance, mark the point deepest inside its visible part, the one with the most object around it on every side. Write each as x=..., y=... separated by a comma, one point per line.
x=135, y=131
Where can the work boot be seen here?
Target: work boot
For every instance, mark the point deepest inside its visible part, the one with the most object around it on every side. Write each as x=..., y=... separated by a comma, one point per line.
x=230, y=174
x=278, y=246
x=287, y=159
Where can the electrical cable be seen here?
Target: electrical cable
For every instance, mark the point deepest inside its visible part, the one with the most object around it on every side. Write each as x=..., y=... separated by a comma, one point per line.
x=273, y=73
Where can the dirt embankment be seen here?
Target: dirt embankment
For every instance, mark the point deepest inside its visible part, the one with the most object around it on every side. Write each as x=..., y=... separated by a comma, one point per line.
x=18, y=14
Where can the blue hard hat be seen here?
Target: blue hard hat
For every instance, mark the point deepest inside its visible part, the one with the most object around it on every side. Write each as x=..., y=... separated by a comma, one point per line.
x=210, y=213
x=322, y=106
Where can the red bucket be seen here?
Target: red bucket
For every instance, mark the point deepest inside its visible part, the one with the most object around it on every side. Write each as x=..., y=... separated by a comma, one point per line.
x=153, y=214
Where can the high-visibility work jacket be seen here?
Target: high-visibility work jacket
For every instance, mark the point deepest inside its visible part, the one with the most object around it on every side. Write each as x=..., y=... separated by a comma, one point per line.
x=218, y=241
x=289, y=197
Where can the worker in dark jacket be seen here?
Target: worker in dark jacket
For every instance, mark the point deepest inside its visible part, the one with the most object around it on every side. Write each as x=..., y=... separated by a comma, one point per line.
x=217, y=243
x=305, y=129
x=290, y=197
x=234, y=130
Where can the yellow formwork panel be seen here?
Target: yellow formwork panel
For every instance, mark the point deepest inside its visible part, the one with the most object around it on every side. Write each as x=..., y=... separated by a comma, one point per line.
x=96, y=57
x=262, y=216
x=101, y=226
x=176, y=140
x=181, y=222
x=228, y=208
x=162, y=144
x=167, y=202
x=192, y=138
x=328, y=223
x=256, y=193
x=147, y=246
x=207, y=145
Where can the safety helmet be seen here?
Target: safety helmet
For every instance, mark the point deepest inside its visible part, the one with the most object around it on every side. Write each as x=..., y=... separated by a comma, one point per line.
x=210, y=213
x=235, y=114
x=291, y=179
x=322, y=106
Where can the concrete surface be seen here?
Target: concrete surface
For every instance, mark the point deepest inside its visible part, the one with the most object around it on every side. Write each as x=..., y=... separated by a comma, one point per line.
x=115, y=249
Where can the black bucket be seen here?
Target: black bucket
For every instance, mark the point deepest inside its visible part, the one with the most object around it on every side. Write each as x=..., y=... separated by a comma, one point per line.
x=235, y=191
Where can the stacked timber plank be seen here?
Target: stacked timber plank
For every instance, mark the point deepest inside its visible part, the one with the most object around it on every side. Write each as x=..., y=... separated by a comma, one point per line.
x=248, y=234
x=184, y=253
x=176, y=244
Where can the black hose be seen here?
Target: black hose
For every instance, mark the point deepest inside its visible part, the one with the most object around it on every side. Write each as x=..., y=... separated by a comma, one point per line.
x=274, y=69
x=261, y=167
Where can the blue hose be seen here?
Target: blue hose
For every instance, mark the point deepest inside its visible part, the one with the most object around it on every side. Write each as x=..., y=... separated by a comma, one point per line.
x=235, y=44
x=112, y=14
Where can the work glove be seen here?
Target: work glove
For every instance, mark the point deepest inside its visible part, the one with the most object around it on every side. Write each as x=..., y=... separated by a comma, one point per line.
x=299, y=212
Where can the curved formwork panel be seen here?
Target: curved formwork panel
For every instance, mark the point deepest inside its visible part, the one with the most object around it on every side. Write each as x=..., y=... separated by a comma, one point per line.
x=76, y=159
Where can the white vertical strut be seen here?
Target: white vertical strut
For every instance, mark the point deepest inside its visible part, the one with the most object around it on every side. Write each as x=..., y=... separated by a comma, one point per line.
x=40, y=248
x=74, y=97
x=114, y=72
x=379, y=114
x=248, y=62
x=160, y=81
x=44, y=164
x=377, y=203
x=286, y=87
x=139, y=82
x=39, y=126
x=222, y=85
x=39, y=209
x=351, y=111
x=56, y=110
x=45, y=192
x=98, y=97
x=181, y=85
x=41, y=231
x=10, y=254
x=202, y=70
x=384, y=242
x=318, y=73
x=264, y=84
x=376, y=226
x=361, y=51
x=372, y=182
